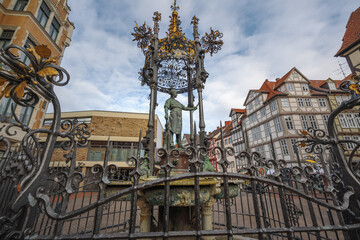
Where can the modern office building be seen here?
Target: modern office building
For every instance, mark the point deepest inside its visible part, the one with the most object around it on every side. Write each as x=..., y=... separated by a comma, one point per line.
x=120, y=129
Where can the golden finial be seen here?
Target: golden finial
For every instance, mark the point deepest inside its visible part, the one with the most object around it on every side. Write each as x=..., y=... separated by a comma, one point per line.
x=174, y=7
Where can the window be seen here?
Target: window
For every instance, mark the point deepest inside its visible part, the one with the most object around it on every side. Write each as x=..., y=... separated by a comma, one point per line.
x=284, y=147
x=304, y=122
x=326, y=119
x=307, y=102
x=273, y=106
x=288, y=122
x=338, y=99
x=322, y=102
x=54, y=29
x=267, y=129
x=343, y=121
x=257, y=101
x=349, y=145
x=357, y=120
x=293, y=144
x=260, y=150
x=79, y=120
x=305, y=87
x=5, y=38
x=300, y=102
x=20, y=5
x=28, y=42
x=256, y=134
x=120, y=151
x=226, y=142
x=263, y=112
x=313, y=122
x=254, y=116
x=332, y=86
x=43, y=15
x=25, y=115
x=278, y=124
x=342, y=98
x=290, y=86
x=350, y=120
x=285, y=102
x=5, y=107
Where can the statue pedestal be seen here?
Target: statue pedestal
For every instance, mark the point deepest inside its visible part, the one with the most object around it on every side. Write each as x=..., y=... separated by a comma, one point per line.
x=181, y=164
x=182, y=203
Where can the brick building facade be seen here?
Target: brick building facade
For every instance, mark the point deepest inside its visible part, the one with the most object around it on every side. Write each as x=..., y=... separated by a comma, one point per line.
x=33, y=22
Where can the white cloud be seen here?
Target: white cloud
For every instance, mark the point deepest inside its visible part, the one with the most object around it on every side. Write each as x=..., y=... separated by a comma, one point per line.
x=262, y=39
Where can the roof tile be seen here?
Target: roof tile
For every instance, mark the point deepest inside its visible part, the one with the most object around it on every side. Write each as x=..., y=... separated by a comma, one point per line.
x=352, y=33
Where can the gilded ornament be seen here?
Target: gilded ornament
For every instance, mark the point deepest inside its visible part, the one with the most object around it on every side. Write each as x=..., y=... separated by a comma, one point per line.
x=20, y=90
x=304, y=132
x=43, y=51
x=47, y=72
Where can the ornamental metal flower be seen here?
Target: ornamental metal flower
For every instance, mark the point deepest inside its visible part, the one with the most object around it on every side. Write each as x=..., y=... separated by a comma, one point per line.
x=212, y=42
x=19, y=80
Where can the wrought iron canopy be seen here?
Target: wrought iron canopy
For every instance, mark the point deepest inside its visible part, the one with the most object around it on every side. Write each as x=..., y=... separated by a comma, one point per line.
x=175, y=55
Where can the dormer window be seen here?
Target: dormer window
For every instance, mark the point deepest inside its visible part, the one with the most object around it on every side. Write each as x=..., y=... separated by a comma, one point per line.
x=332, y=86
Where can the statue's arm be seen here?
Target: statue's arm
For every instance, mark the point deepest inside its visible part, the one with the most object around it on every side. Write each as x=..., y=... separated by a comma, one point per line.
x=190, y=108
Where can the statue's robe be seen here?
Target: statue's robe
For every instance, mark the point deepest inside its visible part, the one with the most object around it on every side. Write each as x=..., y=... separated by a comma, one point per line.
x=175, y=118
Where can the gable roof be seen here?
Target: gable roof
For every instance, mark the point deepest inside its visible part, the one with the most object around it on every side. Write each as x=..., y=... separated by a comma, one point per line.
x=237, y=110
x=352, y=33
x=282, y=80
x=319, y=86
x=268, y=87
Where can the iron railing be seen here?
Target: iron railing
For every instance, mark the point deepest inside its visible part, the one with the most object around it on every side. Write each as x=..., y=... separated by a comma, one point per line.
x=41, y=200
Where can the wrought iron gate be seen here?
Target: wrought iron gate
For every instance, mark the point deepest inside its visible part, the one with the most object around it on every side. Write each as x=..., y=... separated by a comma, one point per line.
x=39, y=200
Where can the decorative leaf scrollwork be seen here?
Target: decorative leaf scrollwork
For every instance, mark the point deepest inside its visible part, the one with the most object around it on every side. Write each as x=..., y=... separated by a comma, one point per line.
x=143, y=35
x=212, y=42
x=195, y=156
x=223, y=154
x=20, y=81
x=168, y=158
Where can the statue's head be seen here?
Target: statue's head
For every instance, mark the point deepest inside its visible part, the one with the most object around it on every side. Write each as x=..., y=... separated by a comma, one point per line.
x=173, y=93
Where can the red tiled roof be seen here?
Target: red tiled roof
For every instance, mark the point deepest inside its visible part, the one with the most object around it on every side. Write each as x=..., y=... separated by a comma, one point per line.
x=319, y=84
x=281, y=80
x=269, y=88
x=352, y=33
x=226, y=131
x=238, y=110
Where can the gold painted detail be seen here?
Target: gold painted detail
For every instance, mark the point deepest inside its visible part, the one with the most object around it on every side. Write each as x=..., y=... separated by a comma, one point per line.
x=17, y=84
x=188, y=182
x=195, y=23
x=212, y=42
x=352, y=85
x=143, y=35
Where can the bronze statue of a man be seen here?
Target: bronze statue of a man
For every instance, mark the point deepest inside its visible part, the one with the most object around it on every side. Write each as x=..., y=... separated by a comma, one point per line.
x=174, y=122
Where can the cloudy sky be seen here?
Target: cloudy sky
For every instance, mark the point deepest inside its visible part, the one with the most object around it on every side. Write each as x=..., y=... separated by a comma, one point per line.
x=262, y=40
